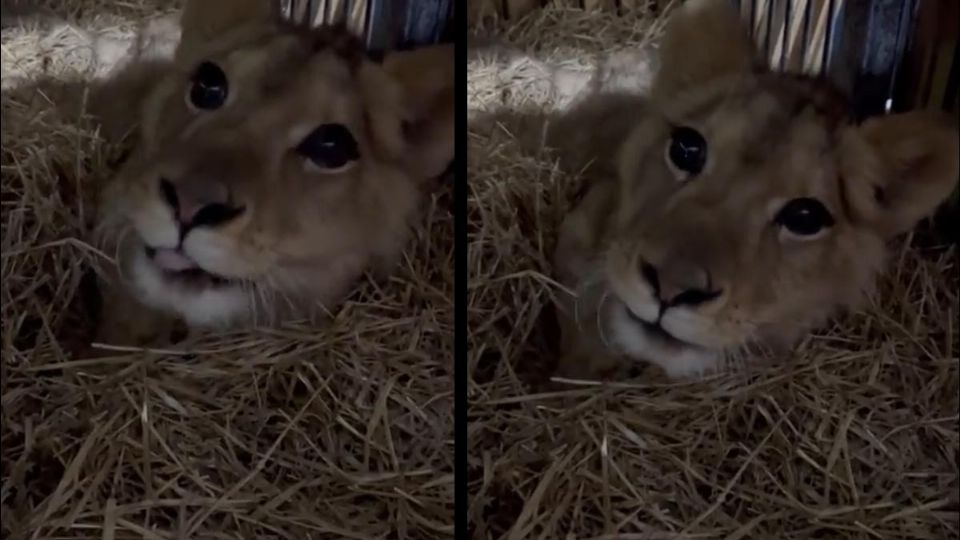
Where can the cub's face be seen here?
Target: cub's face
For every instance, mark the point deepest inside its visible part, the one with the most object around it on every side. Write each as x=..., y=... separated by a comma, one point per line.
x=749, y=207
x=276, y=165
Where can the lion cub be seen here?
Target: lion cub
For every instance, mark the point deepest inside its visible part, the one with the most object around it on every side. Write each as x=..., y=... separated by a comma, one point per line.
x=276, y=164
x=741, y=207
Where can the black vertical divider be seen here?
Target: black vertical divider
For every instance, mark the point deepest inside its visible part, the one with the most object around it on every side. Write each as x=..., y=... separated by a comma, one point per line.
x=461, y=404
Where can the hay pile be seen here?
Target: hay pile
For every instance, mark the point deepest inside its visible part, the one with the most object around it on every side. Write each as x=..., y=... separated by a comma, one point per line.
x=854, y=436
x=304, y=432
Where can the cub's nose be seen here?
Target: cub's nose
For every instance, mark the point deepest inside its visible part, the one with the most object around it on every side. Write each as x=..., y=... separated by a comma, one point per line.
x=679, y=282
x=200, y=203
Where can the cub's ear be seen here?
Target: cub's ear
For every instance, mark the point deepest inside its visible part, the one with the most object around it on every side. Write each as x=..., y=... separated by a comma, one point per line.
x=897, y=169
x=703, y=40
x=426, y=78
x=204, y=20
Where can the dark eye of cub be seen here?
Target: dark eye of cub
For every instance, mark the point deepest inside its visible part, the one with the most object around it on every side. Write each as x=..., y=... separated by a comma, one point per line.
x=688, y=150
x=330, y=146
x=804, y=217
x=209, y=87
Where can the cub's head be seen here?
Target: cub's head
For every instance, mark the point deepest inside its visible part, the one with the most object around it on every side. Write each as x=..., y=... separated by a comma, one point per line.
x=750, y=206
x=276, y=164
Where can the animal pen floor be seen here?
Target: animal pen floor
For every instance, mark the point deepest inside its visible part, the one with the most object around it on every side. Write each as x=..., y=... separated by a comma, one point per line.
x=855, y=435
x=339, y=432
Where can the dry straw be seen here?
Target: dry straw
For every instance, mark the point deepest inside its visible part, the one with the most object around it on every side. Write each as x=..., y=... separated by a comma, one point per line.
x=342, y=431
x=853, y=436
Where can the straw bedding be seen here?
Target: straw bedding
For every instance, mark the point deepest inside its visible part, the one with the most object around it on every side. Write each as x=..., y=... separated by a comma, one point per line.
x=854, y=435
x=338, y=431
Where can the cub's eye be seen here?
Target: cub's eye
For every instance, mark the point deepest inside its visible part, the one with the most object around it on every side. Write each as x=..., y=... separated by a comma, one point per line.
x=804, y=217
x=330, y=147
x=688, y=150
x=209, y=88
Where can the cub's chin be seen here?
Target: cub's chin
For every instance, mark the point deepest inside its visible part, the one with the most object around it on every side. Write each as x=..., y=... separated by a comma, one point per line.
x=646, y=341
x=202, y=299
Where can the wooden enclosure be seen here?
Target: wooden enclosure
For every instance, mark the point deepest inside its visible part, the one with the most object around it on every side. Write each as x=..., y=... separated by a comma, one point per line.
x=932, y=65
x=888, y=54
x=384, y=24
x=511, y=9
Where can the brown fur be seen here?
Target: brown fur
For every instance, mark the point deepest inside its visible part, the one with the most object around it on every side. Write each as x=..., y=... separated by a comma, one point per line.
x=305, y=236
x=771, y=138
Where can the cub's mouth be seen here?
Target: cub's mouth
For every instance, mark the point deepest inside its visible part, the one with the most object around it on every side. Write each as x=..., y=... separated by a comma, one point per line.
x=171, y=281
x=654, y=330
x=177, y=267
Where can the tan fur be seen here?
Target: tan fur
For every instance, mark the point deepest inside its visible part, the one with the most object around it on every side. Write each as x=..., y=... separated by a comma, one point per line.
x=771, y=138
x=305, y=236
